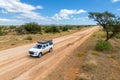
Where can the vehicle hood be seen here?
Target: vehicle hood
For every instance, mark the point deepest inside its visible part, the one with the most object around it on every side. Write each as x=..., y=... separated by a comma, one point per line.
x=34, y=49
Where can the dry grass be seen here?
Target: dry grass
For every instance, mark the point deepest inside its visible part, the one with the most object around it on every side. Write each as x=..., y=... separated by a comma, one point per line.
x=87, y=64
x=84, y=76
x=100, y=65
x=94, y=52
x=10, y=41
x=90, y=63
x=99, y=35
x=80, y=54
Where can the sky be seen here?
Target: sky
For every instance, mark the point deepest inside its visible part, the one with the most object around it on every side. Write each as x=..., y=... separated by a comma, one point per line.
x=59, y=12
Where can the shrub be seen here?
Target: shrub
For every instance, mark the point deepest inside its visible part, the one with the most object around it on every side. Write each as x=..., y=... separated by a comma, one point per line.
x=28, y=38
x=32, y=28
x=20, y=30
x=1, y=32
x=55, y=29
x=12, y=27
x=65, y=28
x=47, y=29
x=78, y=26
x=117, y=36
x=103, y=46
x=52, y=29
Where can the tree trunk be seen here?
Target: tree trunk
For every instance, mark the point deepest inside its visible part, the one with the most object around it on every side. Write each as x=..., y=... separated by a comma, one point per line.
x=107, y=36
x=113, y=34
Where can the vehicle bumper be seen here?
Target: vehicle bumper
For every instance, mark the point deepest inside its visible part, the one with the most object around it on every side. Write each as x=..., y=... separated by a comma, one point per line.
x=33, y=55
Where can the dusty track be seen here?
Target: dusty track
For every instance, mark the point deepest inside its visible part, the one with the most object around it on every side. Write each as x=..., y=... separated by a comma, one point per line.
x=15, y=64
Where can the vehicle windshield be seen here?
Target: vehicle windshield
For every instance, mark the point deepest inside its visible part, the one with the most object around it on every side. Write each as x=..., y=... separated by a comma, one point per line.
x=38, y=46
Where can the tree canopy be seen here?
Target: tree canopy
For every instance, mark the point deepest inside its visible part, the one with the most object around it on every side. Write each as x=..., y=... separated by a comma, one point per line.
x=108, y=21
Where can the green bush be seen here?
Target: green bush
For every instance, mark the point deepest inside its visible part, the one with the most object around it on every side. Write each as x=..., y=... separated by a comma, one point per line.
x=117, y=36
x=65, y=28
x=103, y=46
x=52, y=29
x=47, y=29
x=12, y=27
x=1, y=32
x=55, y=29
x=32, y=28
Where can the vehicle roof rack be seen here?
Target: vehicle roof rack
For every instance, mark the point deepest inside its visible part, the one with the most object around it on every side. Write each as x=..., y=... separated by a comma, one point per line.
x=44, y=41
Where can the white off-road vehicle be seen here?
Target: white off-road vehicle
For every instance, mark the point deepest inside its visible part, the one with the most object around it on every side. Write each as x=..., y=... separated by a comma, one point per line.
x=41, y=48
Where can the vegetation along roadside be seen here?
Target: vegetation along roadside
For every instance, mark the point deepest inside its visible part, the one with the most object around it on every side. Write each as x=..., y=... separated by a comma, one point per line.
x=13, y=36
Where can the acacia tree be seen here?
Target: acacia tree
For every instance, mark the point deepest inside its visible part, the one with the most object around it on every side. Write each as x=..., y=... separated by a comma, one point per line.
x=108, y=21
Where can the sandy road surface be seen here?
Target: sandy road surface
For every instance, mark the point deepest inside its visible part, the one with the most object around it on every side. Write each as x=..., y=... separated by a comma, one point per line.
x=15, y=64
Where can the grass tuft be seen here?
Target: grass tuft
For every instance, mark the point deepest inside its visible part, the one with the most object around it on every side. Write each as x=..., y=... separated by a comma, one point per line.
x=28, y=38
x=103, y=46
x=95, y=52
x=80, y=54
x=84, y=76
x=89, y=65
x=14, y=43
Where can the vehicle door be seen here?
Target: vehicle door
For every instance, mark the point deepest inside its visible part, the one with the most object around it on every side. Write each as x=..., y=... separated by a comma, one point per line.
x=47, y=47
x=44, y=48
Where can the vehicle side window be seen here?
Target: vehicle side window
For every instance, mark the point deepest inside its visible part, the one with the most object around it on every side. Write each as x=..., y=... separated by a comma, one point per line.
x=46, y=45
x=50, y=43
x=43, y=46
x=39, y=46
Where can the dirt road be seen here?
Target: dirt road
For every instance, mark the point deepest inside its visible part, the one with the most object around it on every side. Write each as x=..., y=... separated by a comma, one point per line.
x=15, y=64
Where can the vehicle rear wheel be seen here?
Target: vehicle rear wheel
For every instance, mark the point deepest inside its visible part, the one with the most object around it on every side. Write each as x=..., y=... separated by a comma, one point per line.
x=39, y=55
x=50, y=50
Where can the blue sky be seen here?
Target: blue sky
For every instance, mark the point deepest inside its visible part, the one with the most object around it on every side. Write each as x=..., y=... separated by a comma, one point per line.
x=74, y=12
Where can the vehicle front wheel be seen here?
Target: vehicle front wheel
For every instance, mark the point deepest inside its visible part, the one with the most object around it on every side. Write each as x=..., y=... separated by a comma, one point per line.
x=39, y=55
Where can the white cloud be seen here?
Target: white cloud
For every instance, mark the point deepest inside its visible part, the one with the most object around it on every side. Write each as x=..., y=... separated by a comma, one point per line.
x=16, y=6
x=9, y=20
x=115, y=0
x=31, y=15
x=56, y=17
x=39, y=7
x=65, y=14
x=4, y=20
